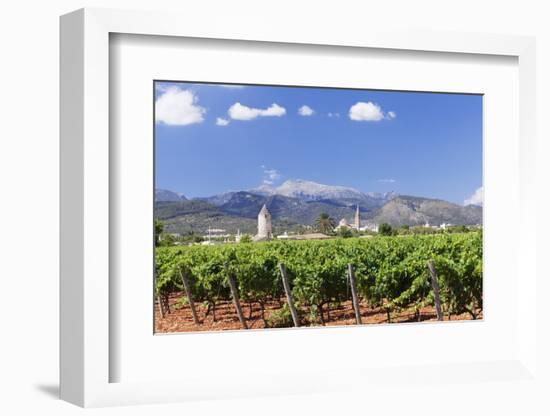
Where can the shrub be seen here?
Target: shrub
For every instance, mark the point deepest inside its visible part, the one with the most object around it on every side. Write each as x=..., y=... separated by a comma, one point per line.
x=245, y=238
x=280, y=318
x=385, y=229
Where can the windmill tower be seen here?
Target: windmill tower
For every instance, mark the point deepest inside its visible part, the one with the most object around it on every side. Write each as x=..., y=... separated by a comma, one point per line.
x=357, y=222
x=264, y=225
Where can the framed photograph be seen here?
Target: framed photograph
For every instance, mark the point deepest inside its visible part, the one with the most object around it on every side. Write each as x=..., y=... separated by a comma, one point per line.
x=258, y=233
x=291, y=215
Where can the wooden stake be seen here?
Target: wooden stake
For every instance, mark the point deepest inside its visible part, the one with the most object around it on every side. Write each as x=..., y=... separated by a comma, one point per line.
x=236, y=301
x=353, y=285
x=166, y=303
x=189, y=293
x=435, y=287
x=161, y=310
x=288, y=293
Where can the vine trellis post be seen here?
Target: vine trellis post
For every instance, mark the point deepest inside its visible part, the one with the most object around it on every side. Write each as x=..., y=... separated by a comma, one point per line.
x=288, y=293
x=435, y=287
x=189, y=293
x=355, y=299
x=236, y=300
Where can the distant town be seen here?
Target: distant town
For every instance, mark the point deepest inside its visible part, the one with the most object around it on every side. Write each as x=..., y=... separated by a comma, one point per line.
x=325, y=228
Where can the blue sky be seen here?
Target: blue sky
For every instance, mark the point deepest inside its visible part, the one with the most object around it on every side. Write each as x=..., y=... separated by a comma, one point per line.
x=211, y=139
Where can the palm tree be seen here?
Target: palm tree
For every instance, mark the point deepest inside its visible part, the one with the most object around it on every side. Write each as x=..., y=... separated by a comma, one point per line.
x=325, y=223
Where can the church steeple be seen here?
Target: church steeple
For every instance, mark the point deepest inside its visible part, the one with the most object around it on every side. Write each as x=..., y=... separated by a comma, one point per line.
x=357, y=222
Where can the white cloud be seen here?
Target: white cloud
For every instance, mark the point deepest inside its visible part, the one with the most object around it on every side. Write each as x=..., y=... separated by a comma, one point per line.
x=337, y=115
x=177, y=107
x=306, y=110
x=222, y=122
x=241, y=112
x=368, y=111
x=476, y=198
x=270, y=176
x=389, y=180
x=161, y=87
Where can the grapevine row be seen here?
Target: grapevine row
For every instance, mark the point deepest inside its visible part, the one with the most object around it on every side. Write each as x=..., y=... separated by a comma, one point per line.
x=390, y=272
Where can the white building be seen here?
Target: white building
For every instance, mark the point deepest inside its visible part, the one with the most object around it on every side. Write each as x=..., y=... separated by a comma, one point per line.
x=342, y=224
x=370, y=226
x=217, y=234
x=356, y=222
x=283, y=236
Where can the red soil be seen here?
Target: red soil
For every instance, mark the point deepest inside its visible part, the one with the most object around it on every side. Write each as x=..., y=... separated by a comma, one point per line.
x=180, y=319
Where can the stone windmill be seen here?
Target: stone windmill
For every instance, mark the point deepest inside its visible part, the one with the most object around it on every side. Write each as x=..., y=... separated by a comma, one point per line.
x=264, y=225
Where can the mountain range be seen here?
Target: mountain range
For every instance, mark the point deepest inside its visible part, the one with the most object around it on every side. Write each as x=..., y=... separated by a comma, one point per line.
x=168, y=196
x=299, y=202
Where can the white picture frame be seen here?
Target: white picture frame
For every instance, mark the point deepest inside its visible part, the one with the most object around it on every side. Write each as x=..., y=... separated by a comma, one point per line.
x=86, y=356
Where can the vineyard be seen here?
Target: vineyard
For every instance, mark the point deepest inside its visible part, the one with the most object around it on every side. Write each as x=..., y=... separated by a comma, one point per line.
x=303, y=283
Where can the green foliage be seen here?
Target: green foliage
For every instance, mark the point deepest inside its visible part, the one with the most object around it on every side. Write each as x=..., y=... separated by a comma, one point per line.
x=325, y=223
x=280, y=318
x=159, y=226
x=190, y=238
x=246, y=238
x=457, y=229
x=390, y=272
x=198, y=239
x=385, y=229
x=165, y=240
x=345, y=232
